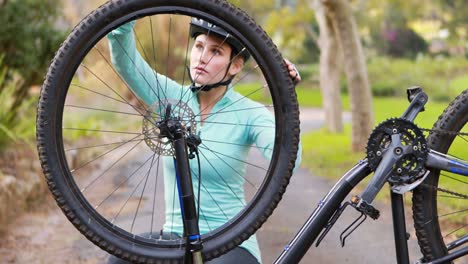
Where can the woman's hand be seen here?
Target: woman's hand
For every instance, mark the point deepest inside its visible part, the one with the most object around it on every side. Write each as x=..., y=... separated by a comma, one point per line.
x=293, y=72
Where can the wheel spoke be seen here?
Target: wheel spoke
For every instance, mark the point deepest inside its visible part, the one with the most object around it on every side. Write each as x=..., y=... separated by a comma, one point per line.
x=143, y=191
x=230, y=166
x=452, y=213
x=236, y=159
x=102, y=131
x=110, y=97
x=108, y=86
x=122, y=183
x=154, y=195
x=104, y=154
x=236, y=144
x=102, y=110
x=101, y=145
x=454, y=231
x=110, y=167
x=222, y=178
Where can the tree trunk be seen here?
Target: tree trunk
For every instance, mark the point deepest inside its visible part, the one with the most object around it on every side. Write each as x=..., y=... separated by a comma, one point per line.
x=330, y=69
x=355, y=68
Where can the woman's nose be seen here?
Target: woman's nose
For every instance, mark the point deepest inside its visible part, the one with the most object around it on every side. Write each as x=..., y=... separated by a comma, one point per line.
x=204, y=56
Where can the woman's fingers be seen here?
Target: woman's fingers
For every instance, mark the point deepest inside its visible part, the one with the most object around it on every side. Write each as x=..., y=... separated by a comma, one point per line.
x=293, y=72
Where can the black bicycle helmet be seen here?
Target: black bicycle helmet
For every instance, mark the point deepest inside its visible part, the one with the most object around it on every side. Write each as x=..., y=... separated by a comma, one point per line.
x=200, y=26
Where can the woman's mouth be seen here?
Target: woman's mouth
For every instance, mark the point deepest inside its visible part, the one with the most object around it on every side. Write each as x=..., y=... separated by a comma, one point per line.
x=200, y=70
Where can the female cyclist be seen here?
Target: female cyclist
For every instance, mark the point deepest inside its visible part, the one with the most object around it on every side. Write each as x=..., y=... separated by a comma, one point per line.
x=215, y=59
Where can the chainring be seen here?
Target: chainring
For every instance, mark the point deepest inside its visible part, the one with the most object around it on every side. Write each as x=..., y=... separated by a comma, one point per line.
x=410, y=166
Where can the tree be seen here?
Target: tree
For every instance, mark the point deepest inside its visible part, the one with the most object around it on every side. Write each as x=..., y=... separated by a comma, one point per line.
x=28, y=41
x=345, y=29
x=290, y=27
x=454, y=16
x=330, y=69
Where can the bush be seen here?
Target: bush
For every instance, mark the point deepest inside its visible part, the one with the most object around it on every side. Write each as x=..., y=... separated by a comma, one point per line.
x=310, y=72
x=442, y=78
x=402, y=43
x=14, y=126
x=28, y=40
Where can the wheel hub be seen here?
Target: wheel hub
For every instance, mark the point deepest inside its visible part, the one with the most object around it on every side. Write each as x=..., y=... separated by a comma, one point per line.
x=162, y=119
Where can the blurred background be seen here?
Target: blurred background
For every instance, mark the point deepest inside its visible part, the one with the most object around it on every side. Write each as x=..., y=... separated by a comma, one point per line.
x=356, y=56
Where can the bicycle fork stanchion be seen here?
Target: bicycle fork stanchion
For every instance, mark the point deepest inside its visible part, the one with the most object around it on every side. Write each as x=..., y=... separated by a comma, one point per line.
x=187, y=200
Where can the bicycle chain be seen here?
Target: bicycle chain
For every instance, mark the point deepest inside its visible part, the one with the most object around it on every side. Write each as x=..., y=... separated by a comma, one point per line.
x=444, y=132
x=438, y=188
x=444, y=190
x=409, y=167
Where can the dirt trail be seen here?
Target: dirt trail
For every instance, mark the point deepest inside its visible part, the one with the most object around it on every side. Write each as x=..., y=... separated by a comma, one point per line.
x=46, y=236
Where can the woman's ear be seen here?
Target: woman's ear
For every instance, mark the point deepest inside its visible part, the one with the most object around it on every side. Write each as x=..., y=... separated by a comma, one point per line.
x=236, y=65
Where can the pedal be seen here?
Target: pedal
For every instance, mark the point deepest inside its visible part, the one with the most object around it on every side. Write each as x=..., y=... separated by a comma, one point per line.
x=365, y=208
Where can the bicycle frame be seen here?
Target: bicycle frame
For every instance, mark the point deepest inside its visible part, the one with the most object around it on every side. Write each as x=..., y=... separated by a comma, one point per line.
x=318, y=220
x=330, y=204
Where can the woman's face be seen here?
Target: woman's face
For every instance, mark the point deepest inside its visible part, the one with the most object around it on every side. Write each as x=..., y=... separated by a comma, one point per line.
x=209, y=60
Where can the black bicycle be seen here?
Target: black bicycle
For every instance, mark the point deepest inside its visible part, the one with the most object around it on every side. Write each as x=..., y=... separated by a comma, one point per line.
x=103, y=150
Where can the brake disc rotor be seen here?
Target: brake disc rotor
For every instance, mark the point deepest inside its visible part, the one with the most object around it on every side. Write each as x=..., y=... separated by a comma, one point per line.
x=153, y=137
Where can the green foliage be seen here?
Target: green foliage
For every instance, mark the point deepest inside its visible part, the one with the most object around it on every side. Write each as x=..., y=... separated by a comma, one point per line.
x=389, y=30
x=28, y=40
x=28, y=37
x=310, y=73
x=402, y=42
x=444, y=78
x=455, y=18
x=14, y=126
x=288, y=27
x=257, y=9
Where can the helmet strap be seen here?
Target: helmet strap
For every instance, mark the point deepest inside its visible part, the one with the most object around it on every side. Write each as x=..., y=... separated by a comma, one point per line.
x=208, y=87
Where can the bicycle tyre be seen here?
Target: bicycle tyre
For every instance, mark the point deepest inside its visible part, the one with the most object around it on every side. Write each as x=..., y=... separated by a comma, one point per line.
x=56, y=164
x=425, y=198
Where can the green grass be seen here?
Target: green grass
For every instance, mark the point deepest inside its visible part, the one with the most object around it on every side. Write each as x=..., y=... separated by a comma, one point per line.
x=306, y=96
x=459, y=84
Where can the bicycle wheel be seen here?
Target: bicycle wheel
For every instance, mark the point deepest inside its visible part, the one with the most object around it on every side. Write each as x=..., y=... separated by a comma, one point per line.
x=439, y=204
x=103, y=157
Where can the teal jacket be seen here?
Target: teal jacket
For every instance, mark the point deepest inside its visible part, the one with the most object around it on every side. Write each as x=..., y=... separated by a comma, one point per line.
x=228, y=133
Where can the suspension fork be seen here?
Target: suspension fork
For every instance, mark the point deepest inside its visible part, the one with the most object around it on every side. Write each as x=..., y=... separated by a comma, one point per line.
x=187, y=200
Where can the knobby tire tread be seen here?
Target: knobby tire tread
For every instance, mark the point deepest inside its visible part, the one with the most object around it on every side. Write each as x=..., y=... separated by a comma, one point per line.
x=429, y=236
x=45, y=119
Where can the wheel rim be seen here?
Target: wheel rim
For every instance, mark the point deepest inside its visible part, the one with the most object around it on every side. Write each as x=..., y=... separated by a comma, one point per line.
x=452, y=211
x=80, y=146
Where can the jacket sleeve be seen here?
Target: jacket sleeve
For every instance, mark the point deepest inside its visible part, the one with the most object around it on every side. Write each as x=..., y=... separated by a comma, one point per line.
x=146, y=83
x=262, y=134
